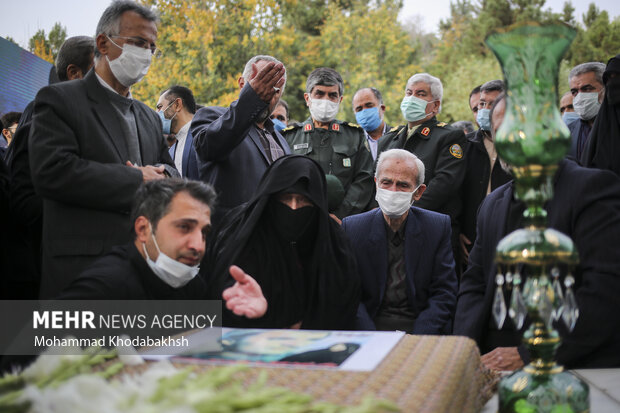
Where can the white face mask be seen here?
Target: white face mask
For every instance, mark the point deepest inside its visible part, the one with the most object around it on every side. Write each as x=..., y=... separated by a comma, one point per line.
x=132, y=65
x=323, y=110
x=586, y=105
x=394, y=203
x=172, y=272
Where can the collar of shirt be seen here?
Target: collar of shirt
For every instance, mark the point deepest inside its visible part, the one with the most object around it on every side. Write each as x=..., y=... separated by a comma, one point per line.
x=180, y=146
x=105, y=85
x=398, y=236
x=411, y=131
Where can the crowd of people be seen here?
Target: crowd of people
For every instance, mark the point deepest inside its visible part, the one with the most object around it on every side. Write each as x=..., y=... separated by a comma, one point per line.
x=319, y=224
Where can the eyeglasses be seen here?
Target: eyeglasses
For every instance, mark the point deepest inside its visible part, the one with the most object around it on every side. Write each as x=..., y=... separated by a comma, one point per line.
x=141, y=43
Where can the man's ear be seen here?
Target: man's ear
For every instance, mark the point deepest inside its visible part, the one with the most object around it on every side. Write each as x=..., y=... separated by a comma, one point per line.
x=142, y=229
x=74, y=72
x=307, y=99
x=419, y=192
x=340, y=101
x=241, y=82
x=101, y=42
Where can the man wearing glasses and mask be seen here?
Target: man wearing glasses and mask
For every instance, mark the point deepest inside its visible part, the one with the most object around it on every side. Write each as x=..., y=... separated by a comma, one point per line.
x=92, y=145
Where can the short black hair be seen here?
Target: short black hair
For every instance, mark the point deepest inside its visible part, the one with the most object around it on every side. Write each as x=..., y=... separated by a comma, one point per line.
x=474, y=91
x=77, y=50
x=183, y=93
x=10, y=118
x=493, y=86
x=153, y=198
x=283, y=103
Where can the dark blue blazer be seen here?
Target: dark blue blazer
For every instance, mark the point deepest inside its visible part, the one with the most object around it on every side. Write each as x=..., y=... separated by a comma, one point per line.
x=586, y=207
x=190, y=159
x=232, y=157
x=431, y=279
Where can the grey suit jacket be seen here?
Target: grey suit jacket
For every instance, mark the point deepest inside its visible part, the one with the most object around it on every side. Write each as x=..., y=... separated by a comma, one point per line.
x=77, y=158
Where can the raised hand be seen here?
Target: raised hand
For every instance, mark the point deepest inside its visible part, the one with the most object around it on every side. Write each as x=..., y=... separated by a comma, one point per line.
x=245, y=297
x=267, y=81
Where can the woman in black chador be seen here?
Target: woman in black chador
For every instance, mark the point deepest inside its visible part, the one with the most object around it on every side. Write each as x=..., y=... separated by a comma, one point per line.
x=285, y=239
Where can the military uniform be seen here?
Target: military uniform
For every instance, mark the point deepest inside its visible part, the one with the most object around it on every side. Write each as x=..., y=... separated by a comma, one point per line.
x=341, y=151
x=441, y=150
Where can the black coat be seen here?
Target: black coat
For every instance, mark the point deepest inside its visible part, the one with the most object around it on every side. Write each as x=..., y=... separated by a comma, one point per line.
x=474, y=188
x=585, y=206
x=77, y=158
x=123, y=274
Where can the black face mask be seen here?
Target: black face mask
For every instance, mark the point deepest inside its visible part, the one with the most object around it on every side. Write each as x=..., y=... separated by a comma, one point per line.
x=291, y=224
x=612, y=89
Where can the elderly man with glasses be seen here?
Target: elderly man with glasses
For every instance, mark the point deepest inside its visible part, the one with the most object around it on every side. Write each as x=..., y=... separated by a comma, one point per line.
x=92, y=145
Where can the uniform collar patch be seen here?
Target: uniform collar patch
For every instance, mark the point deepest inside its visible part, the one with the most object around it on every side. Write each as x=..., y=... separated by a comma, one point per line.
x=335, y=127
x=307, y=127
x=426, y=131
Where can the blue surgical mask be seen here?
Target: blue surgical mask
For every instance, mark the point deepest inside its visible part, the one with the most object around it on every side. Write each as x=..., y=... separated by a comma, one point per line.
x=414, y=108
x=166, y=123
x=369, y=118
x=484, y=119
x=570, y=117
x=278, y=125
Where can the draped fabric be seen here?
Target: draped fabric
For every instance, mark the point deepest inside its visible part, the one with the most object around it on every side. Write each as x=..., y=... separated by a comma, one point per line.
x=603, y=148
x=313, y=279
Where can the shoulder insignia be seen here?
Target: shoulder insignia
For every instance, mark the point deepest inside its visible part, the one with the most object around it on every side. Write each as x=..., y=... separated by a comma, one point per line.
x=395, y=128
x=336, y=127
x=307, y=127
x=288, y=128
x=426, y=131
x=353, y=125
x=441, y=124
x=456, y=151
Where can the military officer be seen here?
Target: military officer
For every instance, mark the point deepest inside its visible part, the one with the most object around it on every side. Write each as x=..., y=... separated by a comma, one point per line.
x=439, y=146
x=339, y=147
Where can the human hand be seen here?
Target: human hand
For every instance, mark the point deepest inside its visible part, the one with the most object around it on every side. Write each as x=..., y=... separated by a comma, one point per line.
x=502, y=359
x=245, y=297
x=267, y=81
x=464, y=242
x=149, y=172
x=335, y=218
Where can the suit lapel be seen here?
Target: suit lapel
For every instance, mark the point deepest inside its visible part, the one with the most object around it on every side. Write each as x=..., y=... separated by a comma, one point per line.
x=413, y=251
x=378, y=245
x=148, y=152
x=189, y=141
x=105, y=113
x=256, y=139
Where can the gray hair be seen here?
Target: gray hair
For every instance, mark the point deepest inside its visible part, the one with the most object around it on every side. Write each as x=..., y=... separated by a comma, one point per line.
x=401, y=155
x=324, y=76
x=153, y=199
x=75, y=50
x=493, y=86
x=597, y=67
x=110, y=21
x=433, y=82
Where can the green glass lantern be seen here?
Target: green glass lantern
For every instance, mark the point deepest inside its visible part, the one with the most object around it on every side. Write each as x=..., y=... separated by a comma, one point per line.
x=532, y=140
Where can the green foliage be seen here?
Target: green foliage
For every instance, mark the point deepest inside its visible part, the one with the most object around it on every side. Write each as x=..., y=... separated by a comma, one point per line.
x=47, y=47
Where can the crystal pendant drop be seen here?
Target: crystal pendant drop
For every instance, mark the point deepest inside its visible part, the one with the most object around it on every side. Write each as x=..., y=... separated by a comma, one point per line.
x=499, y=305
x=517, y=309
x=543, y=302
x=558, y=296
x=571, y=311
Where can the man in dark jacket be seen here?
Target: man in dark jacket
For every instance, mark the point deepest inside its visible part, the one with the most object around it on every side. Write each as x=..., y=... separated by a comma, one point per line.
x=586, y=207
x=483, y=173
x=171, y=220
x=438, y=146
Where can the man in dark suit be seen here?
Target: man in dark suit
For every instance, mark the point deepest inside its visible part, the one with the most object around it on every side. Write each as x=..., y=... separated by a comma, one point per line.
x=404, y=254
x=239, y=142
x=92, y=145
x=74, y=60
x=586, y=207
x=176, y=108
